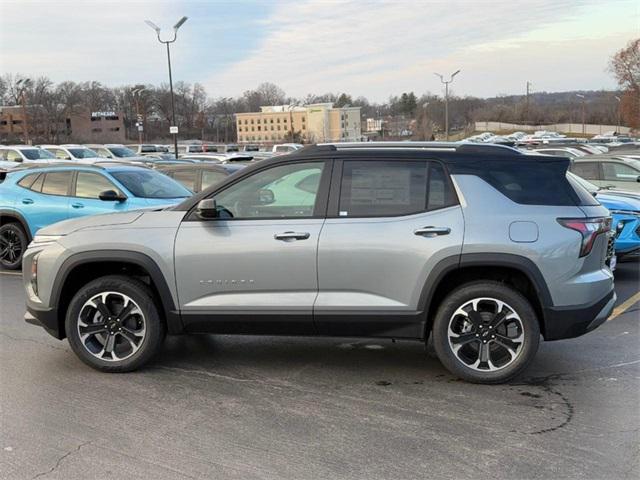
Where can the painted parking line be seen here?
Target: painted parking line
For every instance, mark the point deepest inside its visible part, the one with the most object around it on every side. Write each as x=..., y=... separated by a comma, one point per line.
x=623, y=307
x=15, y=274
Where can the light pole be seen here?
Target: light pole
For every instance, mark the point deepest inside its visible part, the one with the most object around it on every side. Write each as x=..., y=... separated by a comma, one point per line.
x=618, y=99
x=22, y=85
x=136, y=97
x=174, y=128
x=446, y=100
x=426, y=120
x=583, y=113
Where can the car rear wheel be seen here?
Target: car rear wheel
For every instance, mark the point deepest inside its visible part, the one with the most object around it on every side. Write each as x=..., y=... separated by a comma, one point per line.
x=486, y=332
x=13, y=243
x=113, y=324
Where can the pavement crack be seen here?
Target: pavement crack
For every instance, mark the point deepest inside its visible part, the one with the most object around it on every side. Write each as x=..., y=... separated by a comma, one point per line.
x=205, y=373
x=59, y=461
x=21, y=339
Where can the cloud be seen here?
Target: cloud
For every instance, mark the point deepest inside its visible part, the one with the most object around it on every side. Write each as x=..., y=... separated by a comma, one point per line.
x=90, y=40
x=363, y=47
x=379, y=48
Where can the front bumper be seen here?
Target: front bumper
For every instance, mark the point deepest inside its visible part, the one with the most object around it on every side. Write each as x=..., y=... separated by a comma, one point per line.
x=571, y=322
x=45, y=318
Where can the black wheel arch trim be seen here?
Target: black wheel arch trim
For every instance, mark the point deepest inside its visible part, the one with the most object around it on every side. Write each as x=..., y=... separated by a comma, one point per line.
x=18, y=216
x=169, y=309
x=455, y=262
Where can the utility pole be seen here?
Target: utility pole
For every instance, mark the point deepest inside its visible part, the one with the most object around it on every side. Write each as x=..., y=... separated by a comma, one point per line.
x=582, y=97
x=23, y=84
x=527, y=102
x=446, y=101
x=618, y=99
x=139, y=123
x=173, y=129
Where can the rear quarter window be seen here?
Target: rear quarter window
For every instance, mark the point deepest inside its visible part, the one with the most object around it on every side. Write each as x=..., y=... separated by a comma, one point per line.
x=28, y=180
x=526, y=182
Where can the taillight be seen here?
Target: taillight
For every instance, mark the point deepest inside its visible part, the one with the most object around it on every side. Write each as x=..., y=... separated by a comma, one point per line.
x=589, y=228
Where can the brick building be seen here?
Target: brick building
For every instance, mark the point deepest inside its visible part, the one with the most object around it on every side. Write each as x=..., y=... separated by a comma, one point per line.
x=81, y=126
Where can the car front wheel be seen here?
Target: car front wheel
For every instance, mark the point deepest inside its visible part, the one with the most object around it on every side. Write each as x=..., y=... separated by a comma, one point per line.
x=13, y=243
x=486, y=332
x=113, y=324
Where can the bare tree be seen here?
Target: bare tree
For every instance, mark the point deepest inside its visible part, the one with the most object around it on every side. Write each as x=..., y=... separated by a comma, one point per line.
x=625, y=65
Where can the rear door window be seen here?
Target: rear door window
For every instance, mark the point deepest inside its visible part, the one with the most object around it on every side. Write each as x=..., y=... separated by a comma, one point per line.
x=13, y=156
x=383, y=188
x=441, y=193
x=186, y=178
x=211, y=177
x=586, y=170
x=619, y=172
x=56, y=183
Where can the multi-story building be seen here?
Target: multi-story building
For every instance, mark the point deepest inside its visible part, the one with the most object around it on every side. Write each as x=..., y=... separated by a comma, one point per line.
x=314, y=123
x=80, y=126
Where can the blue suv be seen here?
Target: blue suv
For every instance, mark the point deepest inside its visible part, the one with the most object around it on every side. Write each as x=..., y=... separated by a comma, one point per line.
x=625, y=212
x=33, y=197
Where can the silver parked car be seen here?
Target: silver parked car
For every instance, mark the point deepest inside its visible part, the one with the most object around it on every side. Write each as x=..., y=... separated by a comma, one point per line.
x=479, y=246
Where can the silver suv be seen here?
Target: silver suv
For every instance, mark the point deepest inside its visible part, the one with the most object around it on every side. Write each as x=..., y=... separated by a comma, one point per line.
x=481, y=247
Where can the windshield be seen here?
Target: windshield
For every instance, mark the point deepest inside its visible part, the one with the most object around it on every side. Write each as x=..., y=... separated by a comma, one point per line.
x=36, y=154
x=122, y=152
x=634, y=163
x=83, y=153
x=150, y=184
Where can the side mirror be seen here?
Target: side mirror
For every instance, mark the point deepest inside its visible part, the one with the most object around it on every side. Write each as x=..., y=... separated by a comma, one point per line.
x=111, y=196
x=638, y=179
x=207, y=209
x=265, y=197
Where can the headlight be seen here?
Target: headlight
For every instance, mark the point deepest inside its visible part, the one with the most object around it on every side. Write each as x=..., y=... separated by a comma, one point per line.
x=34, y=273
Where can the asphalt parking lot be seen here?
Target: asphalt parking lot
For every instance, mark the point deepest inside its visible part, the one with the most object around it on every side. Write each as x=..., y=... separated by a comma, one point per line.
x=273, y=407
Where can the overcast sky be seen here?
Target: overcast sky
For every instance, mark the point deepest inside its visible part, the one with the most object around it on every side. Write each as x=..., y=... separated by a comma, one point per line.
x=370, y=48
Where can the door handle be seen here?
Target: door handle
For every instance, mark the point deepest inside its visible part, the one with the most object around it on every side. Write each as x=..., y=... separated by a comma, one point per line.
x=432, y=231
x=292, y=236
x=77, y=205
x=27, y=201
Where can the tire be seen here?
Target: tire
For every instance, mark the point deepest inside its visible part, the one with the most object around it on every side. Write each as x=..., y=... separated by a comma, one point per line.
x=484, y=347
x=13, y=243
x=137, y=335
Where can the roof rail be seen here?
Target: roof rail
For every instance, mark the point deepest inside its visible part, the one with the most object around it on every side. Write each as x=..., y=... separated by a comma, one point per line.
x=460, y=147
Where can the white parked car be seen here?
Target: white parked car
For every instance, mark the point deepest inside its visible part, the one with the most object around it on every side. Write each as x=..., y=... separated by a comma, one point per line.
x=567, y=152
x=116, y=152
x=71, y=152
x=26, y=154
x=286, y=147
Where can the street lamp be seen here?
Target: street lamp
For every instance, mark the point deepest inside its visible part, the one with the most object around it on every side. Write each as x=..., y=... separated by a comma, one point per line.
x=136, y=97
x=618, y=99
x=583, y=113
x=174, y=128
x=446, y=100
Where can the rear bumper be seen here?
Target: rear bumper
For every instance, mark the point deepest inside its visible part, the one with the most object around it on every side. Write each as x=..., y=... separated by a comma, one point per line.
x=571, y=322
x=46, y=318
